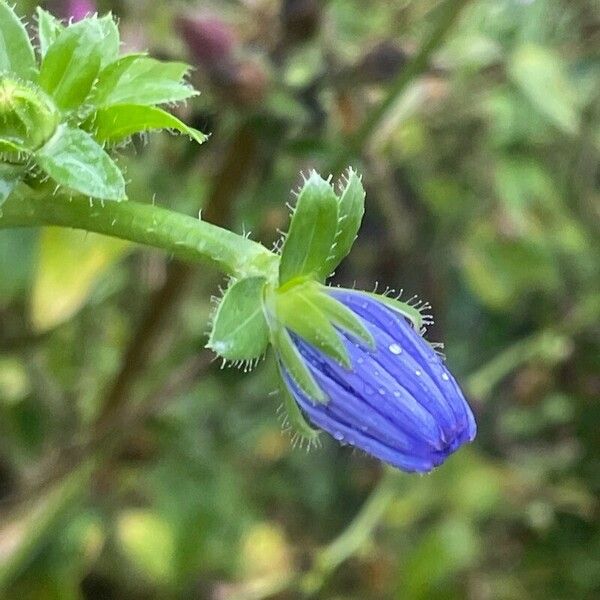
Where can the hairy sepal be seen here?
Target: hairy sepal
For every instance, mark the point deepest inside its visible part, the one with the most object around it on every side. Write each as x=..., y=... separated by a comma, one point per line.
x=312, y=231
x=16, y=52
x=240, y=331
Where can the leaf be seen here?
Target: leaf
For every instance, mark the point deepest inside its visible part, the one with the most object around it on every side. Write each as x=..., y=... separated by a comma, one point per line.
x=73, y=159
x=240, y=330
x=312, y=231
x=69, y=265
x=10, y=176
x=72, y=62
x=139, y=79
x=49, y=28
x=543, y=79
x=111, y=39
x=120, y=121
x=351, y=208
x=16, y=51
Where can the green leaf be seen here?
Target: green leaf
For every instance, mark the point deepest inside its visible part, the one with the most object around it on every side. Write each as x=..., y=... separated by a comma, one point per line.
x=543, y=79
x=10, y=176
x=301, y=312
x=240, y=330
x=49, y=28
x=73, y=159
x=351, y=208
x=70, y=263
x=139, y=79
x=16, y=51
x=73, y=61
x=307, y=247
x=111, y=39
x=290, y=357
x=120, y=121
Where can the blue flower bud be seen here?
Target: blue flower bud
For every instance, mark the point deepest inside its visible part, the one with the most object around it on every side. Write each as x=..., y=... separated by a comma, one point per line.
x=396, y=401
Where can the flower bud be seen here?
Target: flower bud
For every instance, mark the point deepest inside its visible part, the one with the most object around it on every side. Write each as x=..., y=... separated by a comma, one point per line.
x=393, y=398
x=28, y=117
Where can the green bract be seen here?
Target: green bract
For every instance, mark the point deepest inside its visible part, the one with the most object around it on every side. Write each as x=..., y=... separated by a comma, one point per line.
x=56, y=117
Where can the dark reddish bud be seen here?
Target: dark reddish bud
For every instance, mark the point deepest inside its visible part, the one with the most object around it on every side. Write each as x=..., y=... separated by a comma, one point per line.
x=210, y=40
x=383, y=62
x=301, y=19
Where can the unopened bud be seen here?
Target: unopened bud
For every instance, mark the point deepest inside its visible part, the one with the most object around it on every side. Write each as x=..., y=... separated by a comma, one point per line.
x=28, y=117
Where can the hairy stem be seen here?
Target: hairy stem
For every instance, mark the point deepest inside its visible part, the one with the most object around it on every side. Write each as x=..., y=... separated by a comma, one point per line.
x=180, y=235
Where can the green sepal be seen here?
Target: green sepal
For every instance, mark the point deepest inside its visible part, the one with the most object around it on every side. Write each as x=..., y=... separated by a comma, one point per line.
x=10, y=176
x=116, y=123
x=48, y=29
x=351, y=208
x=406, y=310
x=240, y=330
x=139, y=79
x=295, y=417
x=345, y=319
x=16, y=52
x=111, y=39
x=313, y=226
x=291, y=359
x=73, y=159
x=72, y=63
x=301, y=312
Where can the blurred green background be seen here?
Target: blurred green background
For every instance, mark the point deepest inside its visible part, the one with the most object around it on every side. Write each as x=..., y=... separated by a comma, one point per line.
x=482, y=197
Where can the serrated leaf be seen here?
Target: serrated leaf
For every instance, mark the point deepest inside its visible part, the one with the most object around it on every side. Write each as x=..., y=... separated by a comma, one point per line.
x=10, y=176
x=307, y=246
x=543, y=79
x=73, y=159
x=120, y=121
x=300, y=311
x=73, y=61
x=49, y=28
x=112, y=40
x=351, y=208
x=70, y=263
x=291, y=359
x=16, y=51
x=139, y=79
x=240, y=330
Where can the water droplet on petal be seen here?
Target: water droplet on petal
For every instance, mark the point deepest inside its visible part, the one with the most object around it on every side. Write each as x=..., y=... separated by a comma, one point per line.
x=381, y=391
x=395, y=349
x=397, y=393
x=445, y=377
x=360, y=360
x=418, y=373
x=338, y=435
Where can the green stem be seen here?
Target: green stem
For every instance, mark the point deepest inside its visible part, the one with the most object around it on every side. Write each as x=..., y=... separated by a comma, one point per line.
x=180, y=235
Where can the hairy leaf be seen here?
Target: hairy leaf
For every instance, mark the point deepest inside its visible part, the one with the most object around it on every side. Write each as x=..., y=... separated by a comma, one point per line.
x=139, y=79
x=120, y=121
x=73, y=159
x=16, y=51
x=49, y=28
x=72, y=62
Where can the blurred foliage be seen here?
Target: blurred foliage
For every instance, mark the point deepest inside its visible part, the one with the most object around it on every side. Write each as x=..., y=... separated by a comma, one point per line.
x=483, y=198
